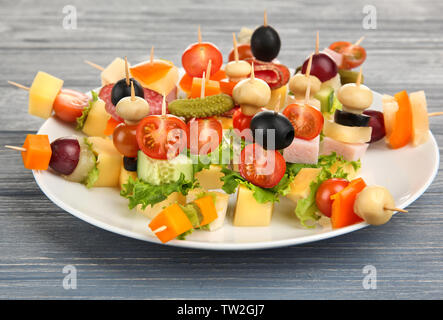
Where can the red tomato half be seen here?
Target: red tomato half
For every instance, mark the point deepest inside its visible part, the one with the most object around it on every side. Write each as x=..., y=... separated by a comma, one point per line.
x=353, y=56
x=244, y=52
x=264, y=168
x=196, y=57
x=204, y=135
x=242, y=124
x=69, y=104
x=325, y=191
x=161, y=137
x=307, y=121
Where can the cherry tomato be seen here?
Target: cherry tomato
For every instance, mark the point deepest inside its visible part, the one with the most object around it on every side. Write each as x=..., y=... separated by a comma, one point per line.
x=242, y=124
x=307, y=121
x=125, y=141
x=69, y=104
x=325, y=191
x=353, y=55
x=204, y=135
x=161, y=137
x=244, y=52
x=264, y=168
x=196, y=57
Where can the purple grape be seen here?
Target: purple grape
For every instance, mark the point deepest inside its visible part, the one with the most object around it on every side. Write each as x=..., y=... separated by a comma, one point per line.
x=323, y=67
x=377, y=122
x=65, y=155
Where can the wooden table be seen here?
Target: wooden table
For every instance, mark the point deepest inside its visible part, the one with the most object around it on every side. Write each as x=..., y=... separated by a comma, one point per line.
x=38, y=239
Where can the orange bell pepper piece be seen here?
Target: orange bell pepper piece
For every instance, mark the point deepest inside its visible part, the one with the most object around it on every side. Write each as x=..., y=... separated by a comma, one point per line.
x=211, y=88
x=219, y=75
x=401, y=133
x=227, y=86
x=175, y=221
x=38, y=152
x=186, y=81
x=343, y=205
x=110, y=126
x=207, y=209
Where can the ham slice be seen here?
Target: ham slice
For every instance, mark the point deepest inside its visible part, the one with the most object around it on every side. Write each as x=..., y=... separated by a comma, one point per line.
x=349, y=151
x=302, y=151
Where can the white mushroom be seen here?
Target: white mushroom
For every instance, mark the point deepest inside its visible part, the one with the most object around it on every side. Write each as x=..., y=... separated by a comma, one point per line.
x=237, y=70
x=251, y=94
x=371, y=205
x=355, y=98
x=299, y=83
x=132, y=109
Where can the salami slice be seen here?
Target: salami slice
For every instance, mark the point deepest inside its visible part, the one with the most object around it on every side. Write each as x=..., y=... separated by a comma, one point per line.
x=154, y=99
x=274, y=74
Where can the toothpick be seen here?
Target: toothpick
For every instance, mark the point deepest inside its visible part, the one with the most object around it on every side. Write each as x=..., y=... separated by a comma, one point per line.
x=18, y=85
x=127, y=71
x=265, y=19
x=164, y=105
x=359, y=41
x=160, y=229
x=16, y=148
x=358, y=82
x=277, y=105
x=252, y=72
x=208, y=70
x=234, y=40
x=199, y=35
x=94, y=65
x=151, y=60
x=132, y=91
x=308, y=68
x=433, y=114
x=308, y=91
x=202, y=93
x=317, y=43
x=395, y=209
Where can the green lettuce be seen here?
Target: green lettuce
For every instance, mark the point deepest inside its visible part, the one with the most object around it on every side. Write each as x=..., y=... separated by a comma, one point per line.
x=139, y=192
x=81, y=120
x=93, y=174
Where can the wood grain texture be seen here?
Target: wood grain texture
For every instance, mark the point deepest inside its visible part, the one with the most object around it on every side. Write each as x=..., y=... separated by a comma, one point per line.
x=38, y=239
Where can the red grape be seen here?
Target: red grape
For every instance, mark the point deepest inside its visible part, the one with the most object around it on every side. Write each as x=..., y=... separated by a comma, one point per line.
x=323, y=67
x=377, y=123
x=65, y=155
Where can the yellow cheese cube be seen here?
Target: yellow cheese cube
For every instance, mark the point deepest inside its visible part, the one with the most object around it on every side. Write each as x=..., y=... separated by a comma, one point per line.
x=300, y=185
x=278, y=97
x=124, y=176
x=109, y=162
x=167, y=83
x=210, y=178
x=347, y=168
x=96, y=120
x=114, y=72
x=44, y=90
x=226, y=122
x=151, y=212
x=250, y=213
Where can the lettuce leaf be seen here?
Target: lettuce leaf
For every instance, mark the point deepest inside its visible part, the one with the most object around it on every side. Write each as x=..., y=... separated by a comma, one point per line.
x=94, y=173
x=139, y=192
x=81, y=120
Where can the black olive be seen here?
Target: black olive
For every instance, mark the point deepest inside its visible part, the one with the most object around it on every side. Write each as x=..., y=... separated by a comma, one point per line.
x=350, y=119
x=283, y=129
x=130, y=164
x=121, y=90
x=265, y=43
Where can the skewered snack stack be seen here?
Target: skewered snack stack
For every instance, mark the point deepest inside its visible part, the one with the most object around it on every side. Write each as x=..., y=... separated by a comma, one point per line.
x=349, y=134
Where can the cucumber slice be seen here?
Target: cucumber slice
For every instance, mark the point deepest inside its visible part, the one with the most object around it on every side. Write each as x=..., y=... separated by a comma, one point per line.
x=328, y=100
x=158, y=172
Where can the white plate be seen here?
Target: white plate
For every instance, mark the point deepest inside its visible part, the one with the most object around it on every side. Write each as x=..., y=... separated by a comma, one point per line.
x=406, y=172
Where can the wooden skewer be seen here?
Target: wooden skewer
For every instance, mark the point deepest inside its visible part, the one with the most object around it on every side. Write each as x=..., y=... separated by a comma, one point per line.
x=132, y=91
x=16, y=148
x=94, y=65
x=277, y=105
x=164, y=105
x=208, y=70
x=199, y=35
x=202, y=92
x=308, y=91
x=234, y=41
x=18, y=85
x=433, y=114
x=317, y=42
x=265, y=18
x=395, y=209
x=127, y=71
x=252, y=72
x=358, y=82
x=308, y=68
x=359, y=41
x=160, y=229
x=151, y=59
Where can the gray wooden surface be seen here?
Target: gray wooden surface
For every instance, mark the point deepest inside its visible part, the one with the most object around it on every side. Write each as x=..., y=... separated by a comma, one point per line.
x=38, y=239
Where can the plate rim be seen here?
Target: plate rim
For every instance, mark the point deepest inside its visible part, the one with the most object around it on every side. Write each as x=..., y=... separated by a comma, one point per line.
x=222, y=246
